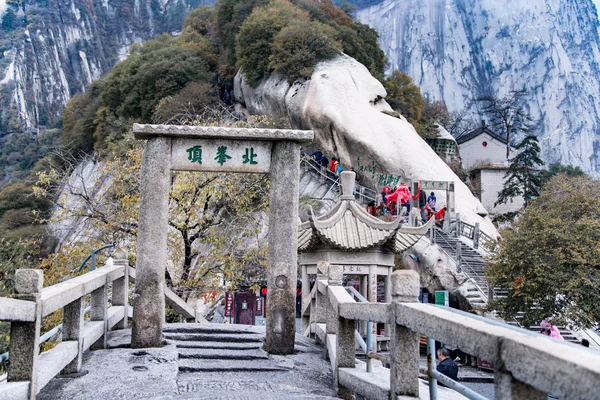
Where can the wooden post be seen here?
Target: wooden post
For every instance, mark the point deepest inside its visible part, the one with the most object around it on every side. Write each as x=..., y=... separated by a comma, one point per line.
x=24, y=336
x=120, y=287
x=404, y=343
x=73, y=314
x=99, y=312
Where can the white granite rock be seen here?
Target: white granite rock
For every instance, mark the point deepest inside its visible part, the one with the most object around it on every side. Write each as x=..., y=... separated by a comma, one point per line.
x=345, y=107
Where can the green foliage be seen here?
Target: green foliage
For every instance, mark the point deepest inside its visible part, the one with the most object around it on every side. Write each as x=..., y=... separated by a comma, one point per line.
x=404, y=96
x=261, y=22
x=255, y=40
x=558, y=168
x=299, y=46
x=154, y=70
x=8, y=20
x=524, y=178
x=360, y=43
x=549, y=260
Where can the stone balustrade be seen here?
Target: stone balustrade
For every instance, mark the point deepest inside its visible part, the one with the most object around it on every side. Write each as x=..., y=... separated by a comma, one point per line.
x=30, y=371
x=528, y=365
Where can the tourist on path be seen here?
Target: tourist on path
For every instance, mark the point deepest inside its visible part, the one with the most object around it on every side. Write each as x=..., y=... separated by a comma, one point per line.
x=332, y=164
x=431, y=200
x=422, y=203
x=446, y=365
x=317, y=156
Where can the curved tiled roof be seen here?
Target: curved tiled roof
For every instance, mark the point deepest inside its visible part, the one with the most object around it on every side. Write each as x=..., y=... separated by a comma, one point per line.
x=348, y=226
x=147, y=131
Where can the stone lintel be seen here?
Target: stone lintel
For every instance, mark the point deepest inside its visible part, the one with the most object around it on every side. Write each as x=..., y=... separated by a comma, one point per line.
x=337, y=257
x=147, y=131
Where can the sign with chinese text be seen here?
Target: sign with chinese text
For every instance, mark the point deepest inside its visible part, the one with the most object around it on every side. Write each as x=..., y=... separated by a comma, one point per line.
x=218, y=155
x=228, y=305
x=259, y=306
x=434, y=185
x=442, y=298
x=356, y=270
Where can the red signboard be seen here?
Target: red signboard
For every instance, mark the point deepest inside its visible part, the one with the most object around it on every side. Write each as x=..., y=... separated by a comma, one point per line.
x=228, y=304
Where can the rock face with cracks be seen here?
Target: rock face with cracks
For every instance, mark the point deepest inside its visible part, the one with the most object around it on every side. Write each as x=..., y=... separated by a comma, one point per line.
x=346, y=108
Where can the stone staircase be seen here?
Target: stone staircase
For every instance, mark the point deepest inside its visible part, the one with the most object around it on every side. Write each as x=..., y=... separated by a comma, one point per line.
x=219, y=348
x=473, y=265
x=222, y=361
x=314, y=186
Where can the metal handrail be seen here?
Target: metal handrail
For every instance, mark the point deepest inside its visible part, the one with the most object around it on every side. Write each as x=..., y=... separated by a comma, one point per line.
x=93, y=257
x=325, y=173
x=469, y=268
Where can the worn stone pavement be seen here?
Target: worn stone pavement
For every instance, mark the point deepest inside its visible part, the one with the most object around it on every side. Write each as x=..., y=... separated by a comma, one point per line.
x=124, y=373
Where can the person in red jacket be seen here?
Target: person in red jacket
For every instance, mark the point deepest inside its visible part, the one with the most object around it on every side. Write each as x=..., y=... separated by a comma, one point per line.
x=332, y=164
x=400, y=196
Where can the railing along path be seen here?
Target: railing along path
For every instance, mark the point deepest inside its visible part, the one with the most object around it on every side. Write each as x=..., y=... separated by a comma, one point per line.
x=28, y=370
x=528, y=365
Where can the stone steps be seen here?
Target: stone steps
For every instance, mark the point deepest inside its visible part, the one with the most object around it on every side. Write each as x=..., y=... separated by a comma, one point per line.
x=219, y=345
x=222, y=354
x=207, y=337
x=195, y=365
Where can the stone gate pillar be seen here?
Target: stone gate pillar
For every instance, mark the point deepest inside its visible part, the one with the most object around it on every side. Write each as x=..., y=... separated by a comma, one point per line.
x=283, y=257
x=149, y=300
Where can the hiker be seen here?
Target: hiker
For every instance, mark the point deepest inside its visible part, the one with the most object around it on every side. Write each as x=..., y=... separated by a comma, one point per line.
x=446, y=365
x=317, y=156
x=422, y=204
x=554, y=332
x=385, y=191
x=431, y=200
x=371, y=209
x=332, y=164
x=338, y=168
x=324, y=162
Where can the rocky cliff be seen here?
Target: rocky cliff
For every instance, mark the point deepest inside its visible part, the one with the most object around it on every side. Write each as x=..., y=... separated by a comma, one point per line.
x=346, y=108
x=51, y=49
x=458, y=50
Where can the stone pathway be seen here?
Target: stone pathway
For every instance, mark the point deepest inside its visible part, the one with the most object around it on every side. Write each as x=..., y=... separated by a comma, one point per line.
x=210, y=361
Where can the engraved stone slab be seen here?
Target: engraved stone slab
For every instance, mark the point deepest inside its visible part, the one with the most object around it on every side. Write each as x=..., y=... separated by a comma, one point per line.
x=217, y=155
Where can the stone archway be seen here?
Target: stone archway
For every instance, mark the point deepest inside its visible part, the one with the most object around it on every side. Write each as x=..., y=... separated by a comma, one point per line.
x=218, y=149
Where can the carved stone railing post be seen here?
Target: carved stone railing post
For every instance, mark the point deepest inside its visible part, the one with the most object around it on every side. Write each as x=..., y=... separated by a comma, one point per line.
x=335, y=276
x=321, y=314
x=73, y=314
x=99, y=312
x=404, y=343
x=458, y=226
x=345, y=352
x=25, y=336
x=120, y=287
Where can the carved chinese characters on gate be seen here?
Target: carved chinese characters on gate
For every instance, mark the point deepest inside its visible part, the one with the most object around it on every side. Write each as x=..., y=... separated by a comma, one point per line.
x=221, y=155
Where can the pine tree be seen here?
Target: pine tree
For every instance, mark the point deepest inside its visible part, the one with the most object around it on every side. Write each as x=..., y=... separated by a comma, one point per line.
x=523, y=176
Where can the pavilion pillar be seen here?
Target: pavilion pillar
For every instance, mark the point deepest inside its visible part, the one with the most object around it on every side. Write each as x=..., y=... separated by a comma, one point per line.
x=364, y=289
x=388, y=296
x=283, y=235
x=373, y=299
x=149, y=299
x=305, y=298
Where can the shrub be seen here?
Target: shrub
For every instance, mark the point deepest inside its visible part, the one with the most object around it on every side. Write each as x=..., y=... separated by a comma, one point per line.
x=299, y=46
x=253, y=46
